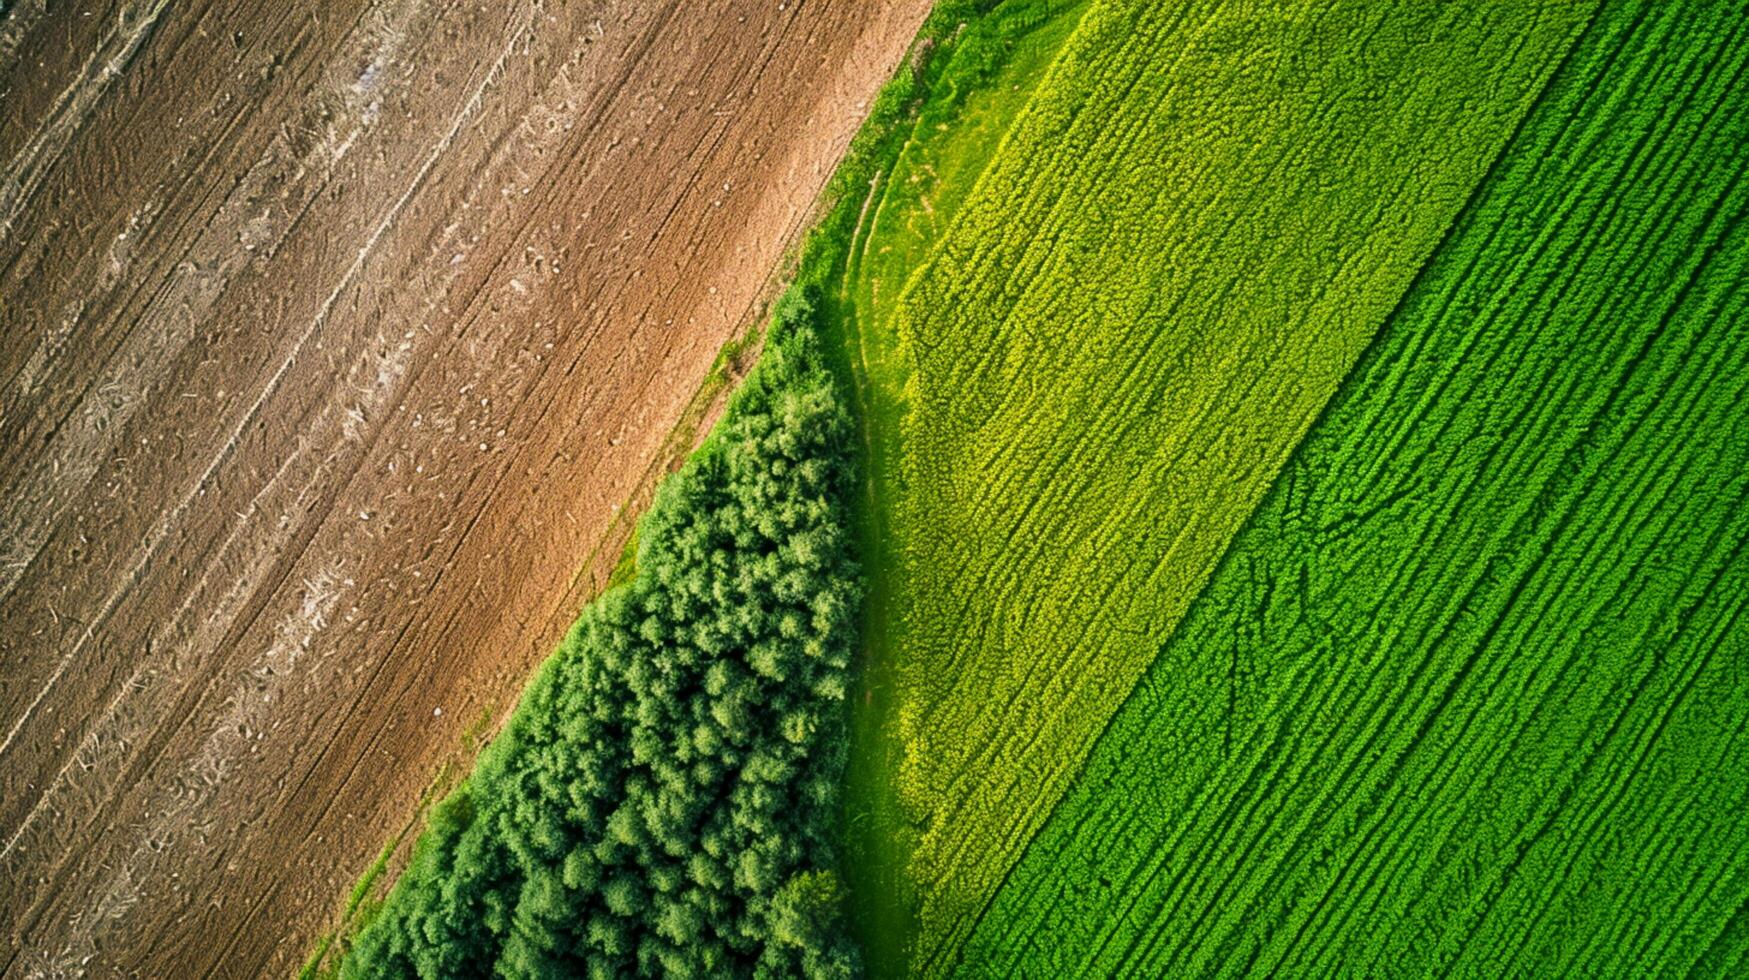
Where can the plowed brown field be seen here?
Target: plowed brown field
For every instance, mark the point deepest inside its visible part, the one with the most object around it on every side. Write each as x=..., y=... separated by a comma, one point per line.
x=333, y=339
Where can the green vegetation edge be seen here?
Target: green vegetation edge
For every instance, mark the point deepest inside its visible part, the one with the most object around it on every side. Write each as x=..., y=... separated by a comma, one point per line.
x=927, y=140
x=960, y=50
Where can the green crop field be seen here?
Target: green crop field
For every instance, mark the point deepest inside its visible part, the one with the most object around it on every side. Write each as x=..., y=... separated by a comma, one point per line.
x=1087, y=411
x=1470, y=693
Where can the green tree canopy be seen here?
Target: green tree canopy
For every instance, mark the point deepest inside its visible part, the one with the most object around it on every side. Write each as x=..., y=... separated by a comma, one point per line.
x=662, y=801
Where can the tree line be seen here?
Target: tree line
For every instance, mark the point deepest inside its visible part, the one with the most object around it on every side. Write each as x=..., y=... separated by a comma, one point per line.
x=664, y=799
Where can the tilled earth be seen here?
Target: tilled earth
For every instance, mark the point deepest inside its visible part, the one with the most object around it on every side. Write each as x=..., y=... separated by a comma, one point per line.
x=335, y=340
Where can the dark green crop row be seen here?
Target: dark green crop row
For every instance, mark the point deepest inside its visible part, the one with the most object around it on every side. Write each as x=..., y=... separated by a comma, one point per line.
x=1469, y=696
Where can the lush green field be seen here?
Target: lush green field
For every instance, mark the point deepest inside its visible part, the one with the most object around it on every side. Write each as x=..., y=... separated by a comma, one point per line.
x=1175, y=255
x=1469, y=696
x=976, y=81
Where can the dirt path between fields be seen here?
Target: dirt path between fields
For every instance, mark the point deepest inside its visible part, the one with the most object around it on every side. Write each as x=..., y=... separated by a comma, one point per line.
x=332, y=339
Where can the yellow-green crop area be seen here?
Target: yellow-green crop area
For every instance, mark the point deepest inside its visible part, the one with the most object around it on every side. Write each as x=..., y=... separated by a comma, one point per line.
x=1304, y=492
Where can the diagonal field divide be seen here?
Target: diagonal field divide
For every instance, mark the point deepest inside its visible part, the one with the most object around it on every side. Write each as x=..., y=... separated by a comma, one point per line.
x=1221, y=206
x=1467, y=695
x=332, y=337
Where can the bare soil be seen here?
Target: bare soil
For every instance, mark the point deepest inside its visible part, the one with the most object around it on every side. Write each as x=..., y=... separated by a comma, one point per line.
x=334, y=339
